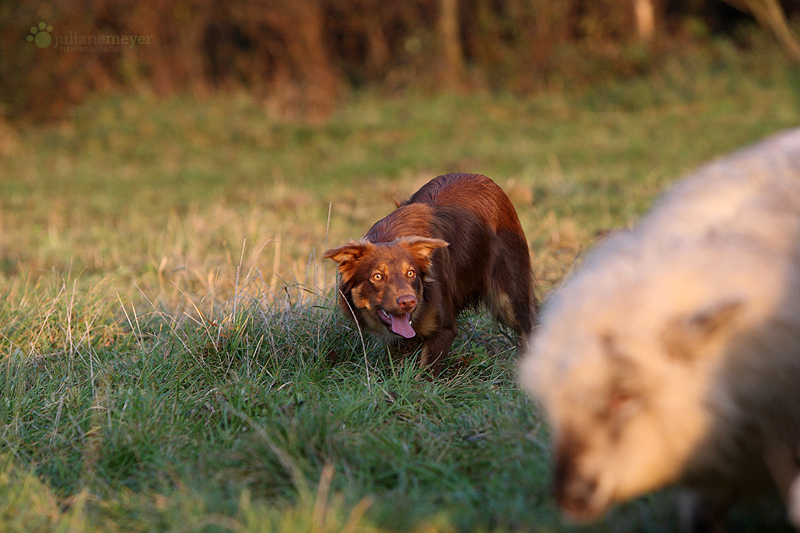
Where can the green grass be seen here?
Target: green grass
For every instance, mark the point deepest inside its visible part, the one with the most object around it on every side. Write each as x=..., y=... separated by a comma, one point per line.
x=172, y=358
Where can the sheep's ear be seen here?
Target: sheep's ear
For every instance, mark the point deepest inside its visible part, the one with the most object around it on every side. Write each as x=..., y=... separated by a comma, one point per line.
x=684, y=336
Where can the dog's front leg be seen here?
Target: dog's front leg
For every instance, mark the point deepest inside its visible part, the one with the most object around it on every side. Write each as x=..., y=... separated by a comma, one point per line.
x=435, y=350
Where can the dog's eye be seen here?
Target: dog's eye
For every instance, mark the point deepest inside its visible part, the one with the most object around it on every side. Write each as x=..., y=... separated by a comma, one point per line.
x=377, y=276
x=411, y=273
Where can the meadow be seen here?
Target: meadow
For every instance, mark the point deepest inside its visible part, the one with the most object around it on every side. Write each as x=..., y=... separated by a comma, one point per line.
x=172, y=356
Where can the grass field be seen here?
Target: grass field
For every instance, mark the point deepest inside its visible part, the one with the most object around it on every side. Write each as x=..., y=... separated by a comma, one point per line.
x=171, y=354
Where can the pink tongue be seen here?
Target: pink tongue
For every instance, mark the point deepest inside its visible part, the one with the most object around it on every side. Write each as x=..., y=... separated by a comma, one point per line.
x=401, y=324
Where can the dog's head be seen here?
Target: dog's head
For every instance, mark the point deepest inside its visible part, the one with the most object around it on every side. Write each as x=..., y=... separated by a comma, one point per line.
x=384, y=281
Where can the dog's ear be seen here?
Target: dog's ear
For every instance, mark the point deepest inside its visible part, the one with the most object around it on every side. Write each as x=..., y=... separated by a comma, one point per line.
x=422, y=248
x=347, y=256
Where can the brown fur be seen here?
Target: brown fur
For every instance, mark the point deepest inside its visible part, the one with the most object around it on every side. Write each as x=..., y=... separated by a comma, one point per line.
x=455, y=243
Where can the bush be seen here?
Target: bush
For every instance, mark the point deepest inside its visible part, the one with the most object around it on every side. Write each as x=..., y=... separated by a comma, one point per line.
x=299, y=56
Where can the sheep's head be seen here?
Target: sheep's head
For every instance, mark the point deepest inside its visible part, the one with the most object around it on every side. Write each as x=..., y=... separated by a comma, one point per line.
x=626, y=404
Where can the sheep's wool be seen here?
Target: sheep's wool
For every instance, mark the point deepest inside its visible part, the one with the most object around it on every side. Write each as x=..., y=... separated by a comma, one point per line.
x=673, y=354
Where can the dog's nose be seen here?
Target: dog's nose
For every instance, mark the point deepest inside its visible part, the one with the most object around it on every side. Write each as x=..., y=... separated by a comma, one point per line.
x=407, y=302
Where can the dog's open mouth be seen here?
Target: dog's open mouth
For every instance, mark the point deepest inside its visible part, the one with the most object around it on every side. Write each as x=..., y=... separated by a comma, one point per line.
x=400, y=324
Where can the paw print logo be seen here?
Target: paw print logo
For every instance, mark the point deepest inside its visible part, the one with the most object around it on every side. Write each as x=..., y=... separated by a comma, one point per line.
x=41, y=35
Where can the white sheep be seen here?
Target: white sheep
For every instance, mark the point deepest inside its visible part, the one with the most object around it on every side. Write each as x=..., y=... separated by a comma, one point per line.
x=672, y=356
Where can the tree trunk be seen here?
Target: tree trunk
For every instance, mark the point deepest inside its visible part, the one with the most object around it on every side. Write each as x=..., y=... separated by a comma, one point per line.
x=770, y=15
x=644, y=13
x=451, y=42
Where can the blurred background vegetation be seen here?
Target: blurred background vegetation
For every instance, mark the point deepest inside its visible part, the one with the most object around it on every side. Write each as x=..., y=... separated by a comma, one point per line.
x=301, y=57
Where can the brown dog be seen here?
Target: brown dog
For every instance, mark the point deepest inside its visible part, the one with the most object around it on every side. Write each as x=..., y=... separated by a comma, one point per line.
x=455, y=243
